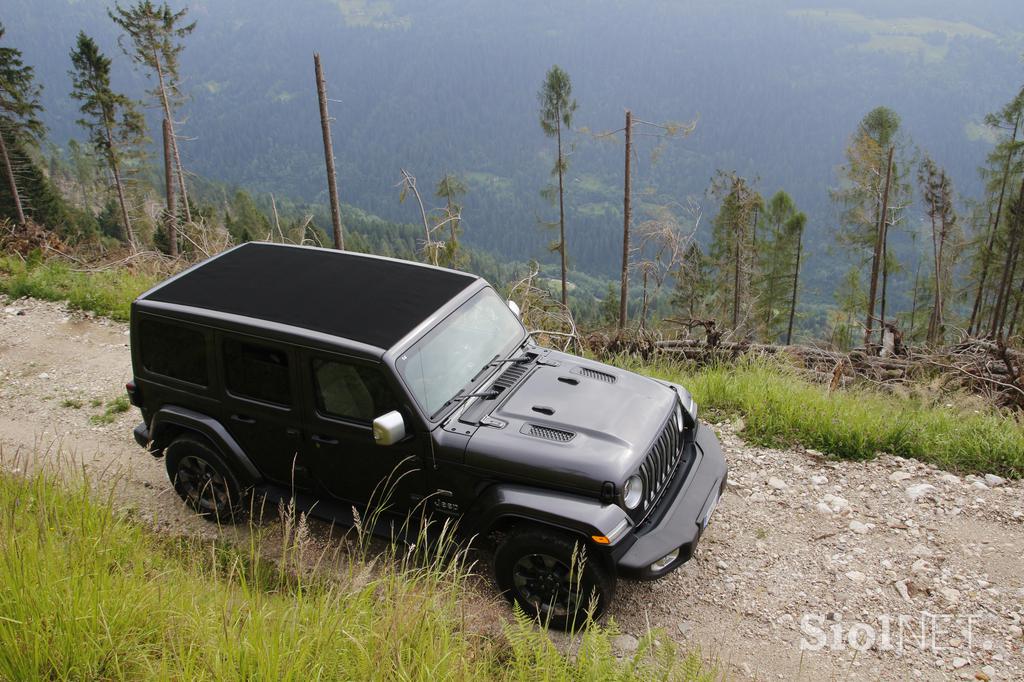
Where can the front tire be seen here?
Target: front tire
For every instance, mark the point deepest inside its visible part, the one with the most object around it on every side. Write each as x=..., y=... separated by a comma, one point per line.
x=552, y=577
x=202, y=479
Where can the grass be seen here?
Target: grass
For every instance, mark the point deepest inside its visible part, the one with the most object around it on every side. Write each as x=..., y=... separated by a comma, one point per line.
x=73, y=403
x=107, y=292
x=114, y=407
x=88, y=593
x=781, y=409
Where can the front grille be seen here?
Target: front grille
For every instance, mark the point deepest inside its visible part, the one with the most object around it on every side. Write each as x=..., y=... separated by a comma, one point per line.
x=549, y=433
x=660, y=464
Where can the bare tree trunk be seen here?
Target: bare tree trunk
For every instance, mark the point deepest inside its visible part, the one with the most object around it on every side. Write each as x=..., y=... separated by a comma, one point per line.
x=736, y=285
x=561, y=216
x=913, y=305
x=876, y=259
x=172, y=209
x=999, y=214
x=115, y=168
x=1011, y=261
x=796, y=280
x=626, y=216
x=277, y=219
x=1016, y=314
x=174, y=141
x=332, y=180
x=12, y=185
x=409, y=180
x=979, y=296
x=885, y=273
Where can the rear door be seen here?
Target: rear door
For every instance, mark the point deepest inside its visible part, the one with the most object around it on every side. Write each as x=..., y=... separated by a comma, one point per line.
x=342, y=397
x=261, y=404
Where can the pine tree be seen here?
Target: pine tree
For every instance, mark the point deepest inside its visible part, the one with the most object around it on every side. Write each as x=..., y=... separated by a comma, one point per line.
x=155, y=33
x=557, y=108
x=937, y=193
x=871, y=198
x=732, y=255
x=115, y=125
x=782, y=225
x=451, y=189
x=19, y=120
x=692, y=283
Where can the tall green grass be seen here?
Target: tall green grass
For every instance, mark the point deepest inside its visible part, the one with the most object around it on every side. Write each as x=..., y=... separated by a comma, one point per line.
x=105, y=292
x=781, y=409
x=86, y=593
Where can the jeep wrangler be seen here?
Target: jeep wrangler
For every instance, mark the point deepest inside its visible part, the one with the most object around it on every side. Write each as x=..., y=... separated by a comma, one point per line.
x=324, y=376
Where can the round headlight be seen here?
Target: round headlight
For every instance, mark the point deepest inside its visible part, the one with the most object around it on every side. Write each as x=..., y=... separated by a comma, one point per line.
x=633, y=492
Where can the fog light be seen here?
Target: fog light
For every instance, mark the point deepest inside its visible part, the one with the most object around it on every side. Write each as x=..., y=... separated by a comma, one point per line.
x=665, y=560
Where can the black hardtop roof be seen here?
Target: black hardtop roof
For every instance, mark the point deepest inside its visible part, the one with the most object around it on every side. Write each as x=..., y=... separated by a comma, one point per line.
x=367, y=299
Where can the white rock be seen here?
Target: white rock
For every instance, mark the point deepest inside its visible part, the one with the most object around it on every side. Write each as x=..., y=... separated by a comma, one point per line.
x=856, y=576
x=989, y=670
x=901, y=587
x=824, y=508
x=949, y=594
x=836, y=503
x=994, y=481
x=819, y=479
x=921, y=551
x=959, y=662
x=898, y=476
x=979, y=485
x=860, y=528
x=952, y=479
x=921, y=566
x=1016, y=632
x=625, y=644
x=777, y=484
x=44, y=375
x=916, y=492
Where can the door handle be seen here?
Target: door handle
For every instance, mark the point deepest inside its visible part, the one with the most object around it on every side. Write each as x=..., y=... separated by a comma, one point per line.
x=245, y=419
x=325, y=440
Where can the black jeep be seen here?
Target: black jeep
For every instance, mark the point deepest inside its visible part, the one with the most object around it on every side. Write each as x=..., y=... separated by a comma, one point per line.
x=326, y=376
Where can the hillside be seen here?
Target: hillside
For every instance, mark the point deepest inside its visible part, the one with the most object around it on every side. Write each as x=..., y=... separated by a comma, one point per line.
x=777, y=90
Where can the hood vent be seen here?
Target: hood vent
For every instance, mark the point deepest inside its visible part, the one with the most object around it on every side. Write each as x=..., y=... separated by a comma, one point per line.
x=510, y=376
x=594, y=374
x=547, y=433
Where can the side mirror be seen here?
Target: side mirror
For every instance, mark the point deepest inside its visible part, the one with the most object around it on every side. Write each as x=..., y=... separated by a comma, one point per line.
x=514, y=307
x=388, y=428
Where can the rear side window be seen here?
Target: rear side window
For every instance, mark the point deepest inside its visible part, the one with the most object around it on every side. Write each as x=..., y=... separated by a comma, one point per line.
x=174, y=351
x=257, y=371
x=351, y=391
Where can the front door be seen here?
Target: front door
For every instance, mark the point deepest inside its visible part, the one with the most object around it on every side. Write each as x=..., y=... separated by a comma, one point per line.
x=342, y=397
x=261, y=405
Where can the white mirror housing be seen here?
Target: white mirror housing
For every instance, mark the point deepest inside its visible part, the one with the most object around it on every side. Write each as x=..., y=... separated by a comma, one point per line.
x=514, y=307
x=388, y=428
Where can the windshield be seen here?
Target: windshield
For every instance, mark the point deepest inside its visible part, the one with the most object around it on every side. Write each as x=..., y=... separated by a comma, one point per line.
x=456, y=350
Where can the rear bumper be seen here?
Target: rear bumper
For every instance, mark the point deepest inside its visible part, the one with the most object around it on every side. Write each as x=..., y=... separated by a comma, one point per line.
x=681, y=525
x=141, y=434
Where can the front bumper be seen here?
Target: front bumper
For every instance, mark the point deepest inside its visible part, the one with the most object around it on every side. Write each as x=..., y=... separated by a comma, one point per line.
x=681, y=524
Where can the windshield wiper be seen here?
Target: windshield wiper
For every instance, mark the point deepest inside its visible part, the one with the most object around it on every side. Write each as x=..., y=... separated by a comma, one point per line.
x=460, y=396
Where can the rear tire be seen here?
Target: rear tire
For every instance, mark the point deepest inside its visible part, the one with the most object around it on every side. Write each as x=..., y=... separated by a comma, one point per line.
x=552, y=578
x=202, y=479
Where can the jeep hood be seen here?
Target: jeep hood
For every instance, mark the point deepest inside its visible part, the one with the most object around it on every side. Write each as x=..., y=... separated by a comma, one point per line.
x=571, y=423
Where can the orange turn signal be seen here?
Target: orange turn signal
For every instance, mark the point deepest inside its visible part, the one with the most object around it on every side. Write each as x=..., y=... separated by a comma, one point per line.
x=600, y=539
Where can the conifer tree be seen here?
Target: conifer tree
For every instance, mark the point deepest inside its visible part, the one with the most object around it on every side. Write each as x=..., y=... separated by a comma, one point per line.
x=154, y=35
x=557, y=108
x=776, y=255
x=731, y=253
x=865, y=223
x=937, y=193
x=451, y=189
x=115, y=125
x=19, y=120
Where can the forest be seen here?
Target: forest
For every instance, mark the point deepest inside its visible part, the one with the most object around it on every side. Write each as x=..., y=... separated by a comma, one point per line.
x=758, y=166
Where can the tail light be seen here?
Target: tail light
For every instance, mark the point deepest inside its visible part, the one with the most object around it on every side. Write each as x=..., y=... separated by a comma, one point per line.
x=133, y=394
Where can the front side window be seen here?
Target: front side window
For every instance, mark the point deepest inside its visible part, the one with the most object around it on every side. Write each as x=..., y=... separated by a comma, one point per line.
x=174, y=351
x=455, y=351
x=257, y=372
x=350, y=391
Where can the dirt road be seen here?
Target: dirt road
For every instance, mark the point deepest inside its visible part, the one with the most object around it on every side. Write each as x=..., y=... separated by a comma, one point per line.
x=811, y=569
